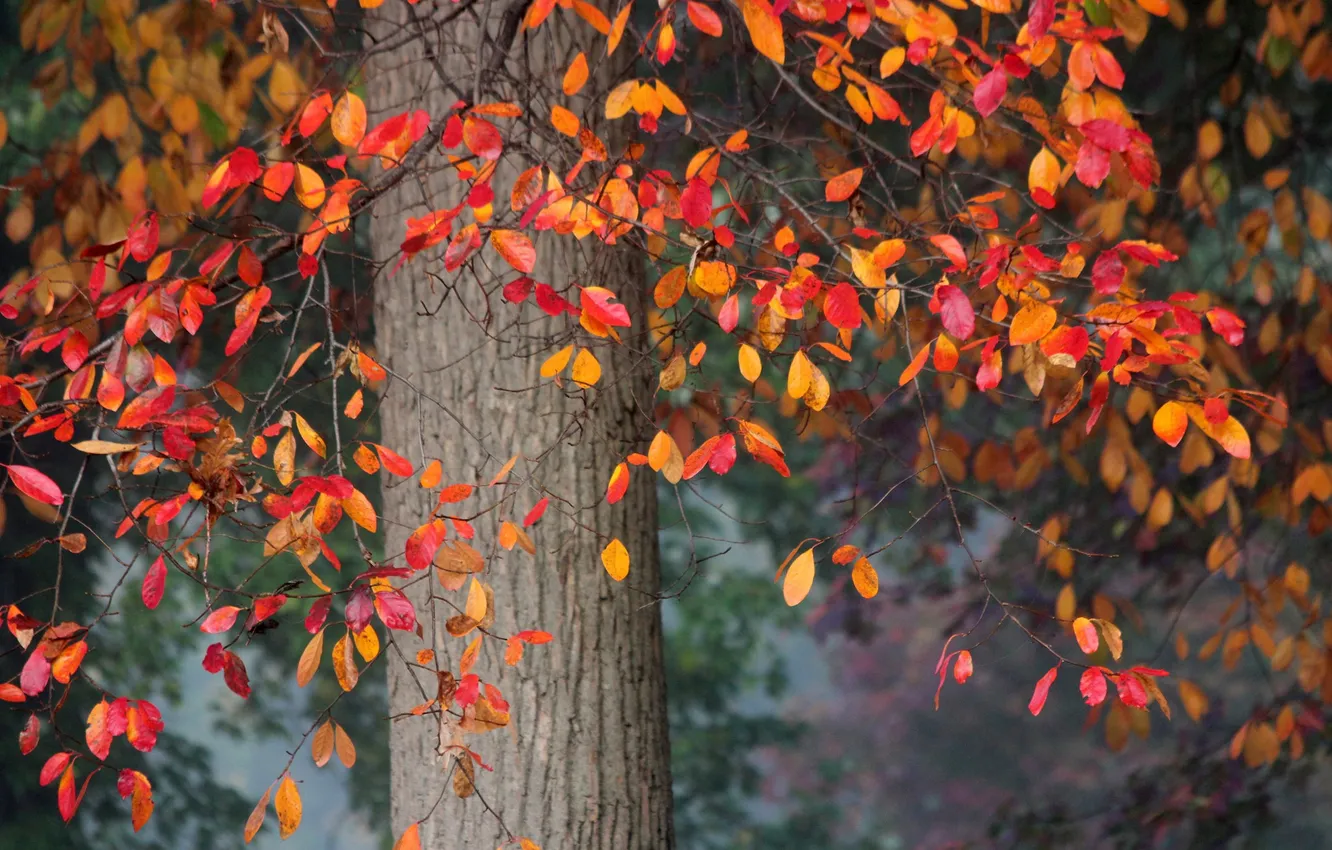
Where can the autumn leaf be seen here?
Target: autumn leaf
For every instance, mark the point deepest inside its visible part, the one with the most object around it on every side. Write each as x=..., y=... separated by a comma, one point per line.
x=1085, y=633
x=35, y=485
x=1032, y=323
x=765, y=29
x=1042, y=691
x=843, y=186
x=799, y=578
x=1170, y=422
x=516, y=249
x=287, y=801
x=615, y=558
x=348, y=122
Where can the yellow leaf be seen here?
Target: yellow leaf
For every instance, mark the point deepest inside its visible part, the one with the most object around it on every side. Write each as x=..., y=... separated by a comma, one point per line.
x=620, y=99
x=751, y=367
x=284, y=458
x=765, y=29
x=103, y=447
x=556, y=362
x=367, y=643
x=309, y=663
x=1113, y=637
x=798, y=376
x=586, y=369
x=672, y=374
x=615, y=558
x=285, y=88
x=1065, y=603
x=1044, y=172
x=310, y=436
x=309, y=186
x=866, y=270
x=475, y=607
x=799, y=578
x=288, y=803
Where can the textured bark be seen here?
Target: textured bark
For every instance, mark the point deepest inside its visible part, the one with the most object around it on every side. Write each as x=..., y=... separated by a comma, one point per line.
x=585, y=761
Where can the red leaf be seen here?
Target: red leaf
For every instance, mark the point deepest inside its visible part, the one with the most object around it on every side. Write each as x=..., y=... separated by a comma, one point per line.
x=842, y=306
x=314, y=621
x=1042, y=691
x=220, y=620
x=142, y=238
x=1108, y=272
x=729, y=316
x=29, y=736
x=535, y=514
x=1093, y=686
x=233, y=673
x=959, y=317
x=963, y=667
x=597, y=302
x=696, y=203
x=54, y=766
x=1131, y=690
x=1224, y=322
x=990, y=92
x=37, y=486
x=396, y=610
x=723, y=457
x=36, y=673
x=1105, y=133
x=1039, y=18
x=394, y=462
x=1093, y=164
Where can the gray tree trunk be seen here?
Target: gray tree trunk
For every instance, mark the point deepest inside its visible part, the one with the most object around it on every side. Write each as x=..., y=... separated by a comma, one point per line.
x=585, y=761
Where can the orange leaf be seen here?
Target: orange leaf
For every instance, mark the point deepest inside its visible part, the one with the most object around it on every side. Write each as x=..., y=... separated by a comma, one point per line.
x=256, y=818
x=1170, y=422
x=288, y=803
x=576, y=76
x=1032, y=322
x=914, y=367
x=433, y=474
x=843, y=185
x=411, y=838
x=348, y=122
x=765, y=29
x=516, y=249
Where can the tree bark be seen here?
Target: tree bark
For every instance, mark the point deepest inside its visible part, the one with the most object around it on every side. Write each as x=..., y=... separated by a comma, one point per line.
x=585, y=761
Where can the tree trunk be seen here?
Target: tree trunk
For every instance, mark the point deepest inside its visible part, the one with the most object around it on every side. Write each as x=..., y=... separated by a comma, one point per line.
x=585, y=761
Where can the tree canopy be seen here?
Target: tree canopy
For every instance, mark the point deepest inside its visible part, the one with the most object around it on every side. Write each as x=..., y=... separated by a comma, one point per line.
x=904, y=266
